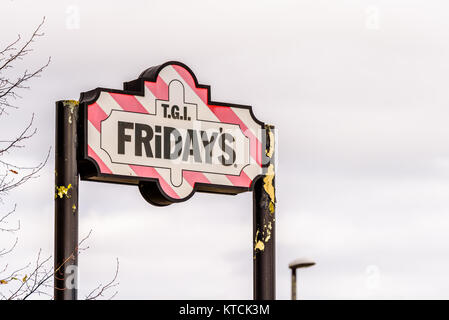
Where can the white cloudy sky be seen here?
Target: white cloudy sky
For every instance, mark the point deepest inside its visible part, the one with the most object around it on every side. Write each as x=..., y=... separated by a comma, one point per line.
x=358, y=91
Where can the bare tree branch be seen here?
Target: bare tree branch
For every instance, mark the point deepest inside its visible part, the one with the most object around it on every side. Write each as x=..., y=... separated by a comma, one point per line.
x=38, y=281
x=3, y=221
x=19, y=53
x=13, y=175
x=14, y=143
x=7, y=184
x=5, y=251
x=8, y=56
x=102, y=289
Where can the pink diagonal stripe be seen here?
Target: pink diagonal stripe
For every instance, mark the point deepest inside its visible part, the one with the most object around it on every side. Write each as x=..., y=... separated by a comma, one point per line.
x=201, y=92
x=159, y=88
x=242, y=181
x=96, y=115
x=150, y=172
x=128, y=102
x=194, y=177
x=103, y=167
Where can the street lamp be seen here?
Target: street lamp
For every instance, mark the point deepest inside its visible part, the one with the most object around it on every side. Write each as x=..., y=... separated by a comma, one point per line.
x=296, y=264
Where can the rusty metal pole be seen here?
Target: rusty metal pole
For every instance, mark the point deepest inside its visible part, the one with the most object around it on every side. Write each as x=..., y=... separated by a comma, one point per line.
x=264, y=281
x=66, y=201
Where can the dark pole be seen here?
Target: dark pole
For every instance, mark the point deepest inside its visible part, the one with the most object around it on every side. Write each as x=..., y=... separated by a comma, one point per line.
x=264, y=282
x=297, y=264
x=66, y=201
x=293, y=284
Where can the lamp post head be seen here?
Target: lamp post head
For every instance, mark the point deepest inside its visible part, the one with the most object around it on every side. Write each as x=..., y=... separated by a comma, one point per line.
x=301, y=263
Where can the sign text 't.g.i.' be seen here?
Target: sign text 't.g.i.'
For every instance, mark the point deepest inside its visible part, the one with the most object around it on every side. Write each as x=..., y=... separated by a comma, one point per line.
x=163, y=133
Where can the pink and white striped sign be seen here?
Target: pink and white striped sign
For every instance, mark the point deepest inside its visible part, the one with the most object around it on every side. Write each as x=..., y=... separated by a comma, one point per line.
x=164, y=132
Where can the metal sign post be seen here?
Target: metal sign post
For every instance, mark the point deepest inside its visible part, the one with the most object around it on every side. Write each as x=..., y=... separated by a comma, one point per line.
x=264, y=273
x=164, y=134
x=66, y=201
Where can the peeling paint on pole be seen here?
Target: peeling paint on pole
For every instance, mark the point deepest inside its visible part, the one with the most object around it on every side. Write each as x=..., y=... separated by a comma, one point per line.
x=62, y=191
x=264, y=225
x=71, y=104
x=66, y=199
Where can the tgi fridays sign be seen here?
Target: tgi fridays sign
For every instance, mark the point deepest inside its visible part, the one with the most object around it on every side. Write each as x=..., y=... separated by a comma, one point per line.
x=163, y=133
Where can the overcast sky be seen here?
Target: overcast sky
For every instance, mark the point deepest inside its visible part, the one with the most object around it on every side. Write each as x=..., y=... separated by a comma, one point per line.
x=358, y=92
